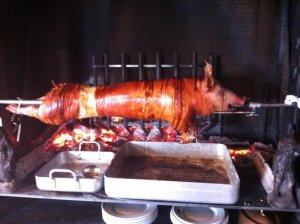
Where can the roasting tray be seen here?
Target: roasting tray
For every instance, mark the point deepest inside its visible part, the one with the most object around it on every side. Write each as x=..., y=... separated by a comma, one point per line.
x=75, y=171
x=169, y=190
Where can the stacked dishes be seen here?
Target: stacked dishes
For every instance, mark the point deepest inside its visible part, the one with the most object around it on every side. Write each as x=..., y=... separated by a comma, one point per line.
x=199, y=215
x=115, y=213
x=254, y=217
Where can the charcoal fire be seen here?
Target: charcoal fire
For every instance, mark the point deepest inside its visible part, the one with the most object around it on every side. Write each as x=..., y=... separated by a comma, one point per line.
x=234, y=153
x=68, y=137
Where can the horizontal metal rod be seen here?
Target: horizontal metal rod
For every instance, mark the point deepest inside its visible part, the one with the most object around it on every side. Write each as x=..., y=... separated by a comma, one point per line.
x=234, y=112
x=145, y=66
x=259, y=105
x=22, y=102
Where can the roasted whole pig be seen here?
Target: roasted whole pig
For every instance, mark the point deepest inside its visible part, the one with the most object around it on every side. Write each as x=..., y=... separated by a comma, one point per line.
x=174, y=100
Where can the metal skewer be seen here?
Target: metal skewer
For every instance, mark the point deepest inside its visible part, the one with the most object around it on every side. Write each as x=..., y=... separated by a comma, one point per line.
x=235, y=112
x=22, y=102
x=238, y=109
x=260, y=105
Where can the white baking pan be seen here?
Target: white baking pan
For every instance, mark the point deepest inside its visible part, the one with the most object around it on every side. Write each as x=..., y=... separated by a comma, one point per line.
x=116, y=185
x=75, y=171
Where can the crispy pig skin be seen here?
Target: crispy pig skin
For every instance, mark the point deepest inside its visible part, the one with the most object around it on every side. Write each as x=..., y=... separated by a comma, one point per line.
x=174, y=100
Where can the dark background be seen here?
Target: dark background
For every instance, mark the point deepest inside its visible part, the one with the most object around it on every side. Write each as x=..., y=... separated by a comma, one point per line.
x=54, y=40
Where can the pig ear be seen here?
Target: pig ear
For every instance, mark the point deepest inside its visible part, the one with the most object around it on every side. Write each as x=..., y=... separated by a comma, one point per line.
x=208, y=77
x=54, y=84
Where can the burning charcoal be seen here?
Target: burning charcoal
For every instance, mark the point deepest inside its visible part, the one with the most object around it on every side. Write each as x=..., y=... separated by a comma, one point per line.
x=284, y=182
x=139, y=134
x=154, y=134
x=189, y=136
x=121, y=131
x=170, y=134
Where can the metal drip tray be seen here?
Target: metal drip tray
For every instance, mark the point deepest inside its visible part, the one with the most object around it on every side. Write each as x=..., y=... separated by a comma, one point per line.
x=74, y=171
x=202, y=173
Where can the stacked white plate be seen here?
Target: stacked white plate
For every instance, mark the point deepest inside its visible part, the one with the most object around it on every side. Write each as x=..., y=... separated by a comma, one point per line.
x=198, y=215
x=116, y=213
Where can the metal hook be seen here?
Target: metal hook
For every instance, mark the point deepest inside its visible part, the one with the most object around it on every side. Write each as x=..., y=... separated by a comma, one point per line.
x=19, y=125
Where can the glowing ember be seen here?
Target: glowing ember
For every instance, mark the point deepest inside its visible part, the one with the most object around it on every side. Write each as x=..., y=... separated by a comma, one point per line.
x=117, y=119
x=240, y=152
x=67, y=138
x=62, y=139
x=81, y=135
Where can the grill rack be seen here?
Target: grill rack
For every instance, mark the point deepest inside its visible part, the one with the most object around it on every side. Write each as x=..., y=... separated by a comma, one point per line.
x=103, y=69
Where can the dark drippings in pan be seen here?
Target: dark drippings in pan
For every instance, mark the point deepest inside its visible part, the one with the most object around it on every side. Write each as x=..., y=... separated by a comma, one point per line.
x=174, y=169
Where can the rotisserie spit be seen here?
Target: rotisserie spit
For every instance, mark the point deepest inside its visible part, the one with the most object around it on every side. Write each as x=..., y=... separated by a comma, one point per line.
x=174, y=100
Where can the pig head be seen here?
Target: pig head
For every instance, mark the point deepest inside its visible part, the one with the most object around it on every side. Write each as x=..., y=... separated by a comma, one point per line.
x=214, y=97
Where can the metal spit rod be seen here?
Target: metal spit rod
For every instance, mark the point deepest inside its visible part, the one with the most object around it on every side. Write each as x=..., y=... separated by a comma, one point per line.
x=260, y=105
x=290, y=101
x=253, y=107
x=22, y=102
x=250, y=105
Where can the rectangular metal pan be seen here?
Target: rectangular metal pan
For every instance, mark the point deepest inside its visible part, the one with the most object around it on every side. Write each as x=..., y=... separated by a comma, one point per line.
x=135, y=188
x=75, y=171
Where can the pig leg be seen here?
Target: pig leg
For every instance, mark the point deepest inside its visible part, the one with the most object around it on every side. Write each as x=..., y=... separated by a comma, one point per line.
x=31, y=111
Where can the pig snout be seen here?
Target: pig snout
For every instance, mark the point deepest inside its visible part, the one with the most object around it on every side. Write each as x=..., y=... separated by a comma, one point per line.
x=224, y=100
x=231, y=100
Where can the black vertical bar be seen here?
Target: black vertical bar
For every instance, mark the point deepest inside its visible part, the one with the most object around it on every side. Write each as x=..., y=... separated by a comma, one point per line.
x=294, y=60
x=123, y=67
x=106, y=80
x=158, y=65
x=95, y=82
x=176, y=65
x=141, y=66
x=141, y=77
x=94, y=71
x=295, y=109
x=158, y=76
x=212, y=61
x=124, y=78
x=194, y=64
x=194, y=68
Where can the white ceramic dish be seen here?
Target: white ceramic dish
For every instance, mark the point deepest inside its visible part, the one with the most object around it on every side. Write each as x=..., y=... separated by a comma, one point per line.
x=198, y=215
x=115, y=213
